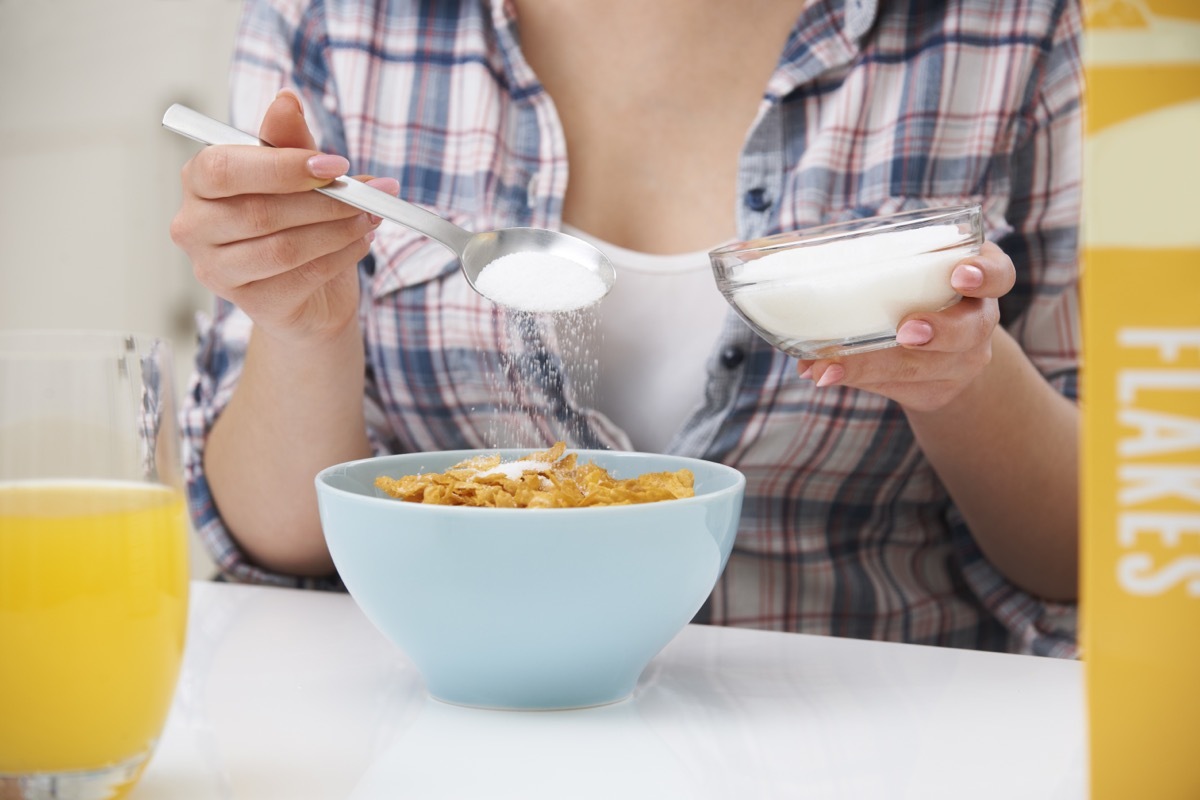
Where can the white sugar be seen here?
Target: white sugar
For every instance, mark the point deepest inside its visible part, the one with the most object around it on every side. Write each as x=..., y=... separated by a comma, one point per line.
x=515, y=469
x=863, y=257
x=539, y=282
x=853, y=287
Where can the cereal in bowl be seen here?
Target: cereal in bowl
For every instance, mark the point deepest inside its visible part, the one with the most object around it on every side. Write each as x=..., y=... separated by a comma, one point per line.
x=548, y=479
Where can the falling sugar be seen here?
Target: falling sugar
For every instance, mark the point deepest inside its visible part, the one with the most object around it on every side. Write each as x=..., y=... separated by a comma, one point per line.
x=547, y=374
x=540, y=282
x=546, y=380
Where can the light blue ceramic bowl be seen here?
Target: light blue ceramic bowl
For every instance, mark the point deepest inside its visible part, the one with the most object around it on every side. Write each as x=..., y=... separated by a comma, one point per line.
x=529, y=608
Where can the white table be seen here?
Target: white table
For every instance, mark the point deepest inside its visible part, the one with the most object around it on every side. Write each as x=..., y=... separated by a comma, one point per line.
x=292, y=694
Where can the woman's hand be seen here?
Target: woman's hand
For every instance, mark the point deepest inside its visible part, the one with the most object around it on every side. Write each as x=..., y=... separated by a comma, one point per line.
x=259, y=238
x=940, y=353
x=1003, y=440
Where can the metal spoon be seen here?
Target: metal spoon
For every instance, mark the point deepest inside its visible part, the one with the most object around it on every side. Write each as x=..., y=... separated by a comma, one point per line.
x=474, y=250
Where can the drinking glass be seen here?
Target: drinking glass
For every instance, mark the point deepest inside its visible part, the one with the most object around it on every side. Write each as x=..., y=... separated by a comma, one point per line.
x=93, y=560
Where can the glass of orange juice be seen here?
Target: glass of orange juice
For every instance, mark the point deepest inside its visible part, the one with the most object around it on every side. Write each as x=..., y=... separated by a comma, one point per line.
x=93, y=560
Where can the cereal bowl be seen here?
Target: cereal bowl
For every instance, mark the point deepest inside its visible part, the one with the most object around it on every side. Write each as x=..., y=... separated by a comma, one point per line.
x=529, y=608
x=844, y=288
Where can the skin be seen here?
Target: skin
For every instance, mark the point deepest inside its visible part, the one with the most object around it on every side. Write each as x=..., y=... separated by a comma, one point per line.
x=287, y=256
x=1003, y=441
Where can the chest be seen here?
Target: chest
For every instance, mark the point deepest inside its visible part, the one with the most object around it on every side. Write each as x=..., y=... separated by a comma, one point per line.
x=477, y=136
x=654, y=100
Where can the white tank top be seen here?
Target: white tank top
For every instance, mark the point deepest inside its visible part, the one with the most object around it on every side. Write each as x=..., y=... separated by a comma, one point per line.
x=657, y=329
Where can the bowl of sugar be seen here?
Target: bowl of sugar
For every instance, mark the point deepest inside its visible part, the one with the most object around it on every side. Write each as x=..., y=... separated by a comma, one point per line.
x=839, y=289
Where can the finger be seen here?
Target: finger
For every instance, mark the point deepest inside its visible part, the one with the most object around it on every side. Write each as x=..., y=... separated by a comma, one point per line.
x=276, y=297
x=243, y=262
x=966, y=325
x=203, y=224
x=886, y=371
x=227, y=170
x=292, y=165
x=250, y=216
x=284, y=126
x=989, y=274
x=253, y=215
x=829, y=374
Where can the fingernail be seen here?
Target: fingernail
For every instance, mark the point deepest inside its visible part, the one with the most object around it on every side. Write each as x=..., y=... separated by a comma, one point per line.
x=966, y=277
x=374, y=220
x=328, y=166
x=295, y=97
x=370, y=237
x=916, y=332
x=807, y=373
x=833, y=374
x=389, y=185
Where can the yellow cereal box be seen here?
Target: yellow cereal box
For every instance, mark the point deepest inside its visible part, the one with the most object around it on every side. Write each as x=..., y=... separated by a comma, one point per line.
x=1141, y=399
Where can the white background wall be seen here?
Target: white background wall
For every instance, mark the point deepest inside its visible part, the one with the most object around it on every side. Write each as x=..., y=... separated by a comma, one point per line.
x=89, y=180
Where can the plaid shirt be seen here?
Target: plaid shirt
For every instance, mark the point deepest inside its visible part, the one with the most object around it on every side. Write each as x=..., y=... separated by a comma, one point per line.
x=846, y=529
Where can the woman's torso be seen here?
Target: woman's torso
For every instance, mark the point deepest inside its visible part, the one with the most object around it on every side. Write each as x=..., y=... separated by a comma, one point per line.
x=846, y=529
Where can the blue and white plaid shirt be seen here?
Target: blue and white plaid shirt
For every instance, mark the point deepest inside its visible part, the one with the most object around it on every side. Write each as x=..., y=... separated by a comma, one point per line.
x=846, y=530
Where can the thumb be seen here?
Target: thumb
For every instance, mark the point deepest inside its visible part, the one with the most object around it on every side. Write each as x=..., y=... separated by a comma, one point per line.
x=284, y=125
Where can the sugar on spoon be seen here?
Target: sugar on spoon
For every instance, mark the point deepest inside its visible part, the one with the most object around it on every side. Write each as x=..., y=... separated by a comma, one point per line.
x=536, y=248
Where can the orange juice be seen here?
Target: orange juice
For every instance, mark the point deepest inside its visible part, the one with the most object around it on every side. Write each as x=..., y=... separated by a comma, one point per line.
x=93, y=604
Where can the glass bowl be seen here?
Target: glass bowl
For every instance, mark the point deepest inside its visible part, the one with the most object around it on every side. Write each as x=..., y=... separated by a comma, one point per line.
x=840, y=289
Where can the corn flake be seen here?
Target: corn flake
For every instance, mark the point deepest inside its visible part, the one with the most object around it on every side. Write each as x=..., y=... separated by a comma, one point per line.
x=548, y=479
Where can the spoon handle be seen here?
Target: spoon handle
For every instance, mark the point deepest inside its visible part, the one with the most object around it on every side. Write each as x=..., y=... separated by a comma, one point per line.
x=206, y=130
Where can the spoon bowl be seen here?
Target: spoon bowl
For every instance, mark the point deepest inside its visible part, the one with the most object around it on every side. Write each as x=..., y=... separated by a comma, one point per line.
x=482, y=249
x=475, y=251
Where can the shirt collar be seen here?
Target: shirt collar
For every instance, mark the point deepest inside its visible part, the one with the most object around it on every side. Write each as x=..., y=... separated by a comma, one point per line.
x=860, y=16
x=827, y=35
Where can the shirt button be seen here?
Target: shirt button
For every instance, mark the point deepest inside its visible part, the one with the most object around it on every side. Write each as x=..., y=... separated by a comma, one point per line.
x=757, y=200
x=732, y=357
x=531, y=190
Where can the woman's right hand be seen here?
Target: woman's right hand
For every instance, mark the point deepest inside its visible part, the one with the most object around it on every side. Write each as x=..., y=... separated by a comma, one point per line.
x=259, y=238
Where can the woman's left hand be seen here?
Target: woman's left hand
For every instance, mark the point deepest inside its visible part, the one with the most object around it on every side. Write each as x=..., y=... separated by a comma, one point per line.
x=939, y=353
